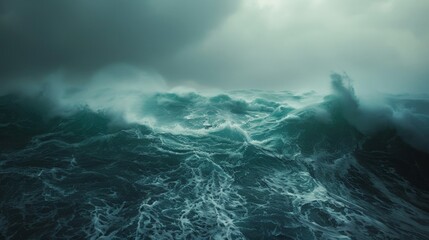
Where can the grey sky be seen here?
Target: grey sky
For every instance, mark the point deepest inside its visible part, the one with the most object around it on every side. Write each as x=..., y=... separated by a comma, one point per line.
x=82, y=36
x=275, y=44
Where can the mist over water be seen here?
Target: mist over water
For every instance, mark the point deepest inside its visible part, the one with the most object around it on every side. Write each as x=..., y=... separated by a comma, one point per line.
x=132, y=159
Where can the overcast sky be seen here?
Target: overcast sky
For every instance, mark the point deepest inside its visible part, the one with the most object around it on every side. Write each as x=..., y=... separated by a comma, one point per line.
x=271, y=44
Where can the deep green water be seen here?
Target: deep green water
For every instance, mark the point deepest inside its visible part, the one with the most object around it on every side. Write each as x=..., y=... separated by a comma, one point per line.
x=237, y=165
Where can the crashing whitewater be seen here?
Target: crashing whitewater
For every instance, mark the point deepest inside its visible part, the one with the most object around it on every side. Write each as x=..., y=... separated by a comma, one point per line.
x=123, y=163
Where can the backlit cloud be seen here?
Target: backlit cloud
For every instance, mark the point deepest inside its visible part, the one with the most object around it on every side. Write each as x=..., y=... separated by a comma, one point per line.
x=290, y=44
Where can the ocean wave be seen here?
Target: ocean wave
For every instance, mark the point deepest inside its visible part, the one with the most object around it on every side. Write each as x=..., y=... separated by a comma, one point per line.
x=244, y=164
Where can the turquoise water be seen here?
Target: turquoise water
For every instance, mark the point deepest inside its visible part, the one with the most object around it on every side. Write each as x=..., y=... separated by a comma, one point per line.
x=235, y=165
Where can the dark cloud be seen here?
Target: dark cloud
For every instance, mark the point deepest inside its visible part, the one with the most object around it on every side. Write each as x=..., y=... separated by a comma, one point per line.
x=81, y=36
x=274, y=44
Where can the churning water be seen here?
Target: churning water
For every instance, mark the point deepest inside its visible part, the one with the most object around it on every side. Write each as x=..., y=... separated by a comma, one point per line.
x=238, y=165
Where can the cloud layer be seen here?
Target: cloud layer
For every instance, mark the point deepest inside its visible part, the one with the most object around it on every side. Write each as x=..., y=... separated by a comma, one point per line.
x=288, y=44
x=383, y=45
x=82, y=36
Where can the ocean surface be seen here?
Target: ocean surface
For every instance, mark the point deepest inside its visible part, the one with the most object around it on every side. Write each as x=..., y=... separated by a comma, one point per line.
x=244, y=164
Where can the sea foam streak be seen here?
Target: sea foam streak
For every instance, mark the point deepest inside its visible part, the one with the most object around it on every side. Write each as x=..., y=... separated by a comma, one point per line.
x=116, y=162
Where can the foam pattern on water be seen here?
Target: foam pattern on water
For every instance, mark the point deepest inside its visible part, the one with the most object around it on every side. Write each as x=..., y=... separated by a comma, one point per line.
x=242, y=165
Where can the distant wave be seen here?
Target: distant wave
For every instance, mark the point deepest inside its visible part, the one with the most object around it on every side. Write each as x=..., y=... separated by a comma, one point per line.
x=407, y=115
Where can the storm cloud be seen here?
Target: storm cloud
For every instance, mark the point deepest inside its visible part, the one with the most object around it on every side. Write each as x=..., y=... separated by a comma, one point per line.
x=382, y=45
x=80, y=36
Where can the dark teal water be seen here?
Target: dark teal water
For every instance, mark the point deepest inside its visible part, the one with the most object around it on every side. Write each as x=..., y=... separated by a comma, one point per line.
x=237, y=165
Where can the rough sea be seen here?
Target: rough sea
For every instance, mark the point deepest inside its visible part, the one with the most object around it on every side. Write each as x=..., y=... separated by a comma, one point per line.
x=249, y=164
